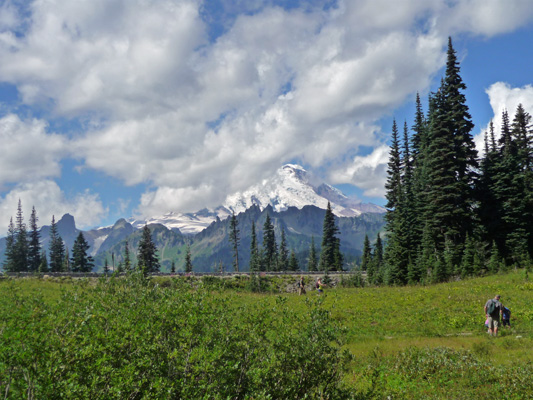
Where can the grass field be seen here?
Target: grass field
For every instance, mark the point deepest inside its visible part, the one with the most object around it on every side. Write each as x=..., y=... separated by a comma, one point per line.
x=180, y=338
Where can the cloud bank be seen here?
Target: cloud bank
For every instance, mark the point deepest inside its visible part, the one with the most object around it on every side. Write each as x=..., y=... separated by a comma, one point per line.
x=194, y=117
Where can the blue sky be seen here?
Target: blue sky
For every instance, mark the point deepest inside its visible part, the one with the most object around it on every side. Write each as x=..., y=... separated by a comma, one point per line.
x=115, y=108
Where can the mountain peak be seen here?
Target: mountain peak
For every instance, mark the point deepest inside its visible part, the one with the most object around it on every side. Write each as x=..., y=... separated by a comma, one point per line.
x=290, y=186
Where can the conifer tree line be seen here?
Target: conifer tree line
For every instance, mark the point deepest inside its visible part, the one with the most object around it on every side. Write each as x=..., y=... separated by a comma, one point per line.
x=451, y=212
x=24, y=252
x=271, y=257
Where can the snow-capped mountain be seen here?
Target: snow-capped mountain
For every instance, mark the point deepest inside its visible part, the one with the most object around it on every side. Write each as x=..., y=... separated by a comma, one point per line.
x=291, y=186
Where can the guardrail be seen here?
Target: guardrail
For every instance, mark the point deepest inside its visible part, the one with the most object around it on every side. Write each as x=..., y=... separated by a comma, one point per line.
x=199, y=274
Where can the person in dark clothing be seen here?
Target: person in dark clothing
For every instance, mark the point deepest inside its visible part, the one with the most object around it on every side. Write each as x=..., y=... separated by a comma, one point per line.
x=506, y=317
x=301, y=286
x=493, y=311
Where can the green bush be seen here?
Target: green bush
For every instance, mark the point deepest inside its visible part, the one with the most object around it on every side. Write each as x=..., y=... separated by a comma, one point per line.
x=131, y=338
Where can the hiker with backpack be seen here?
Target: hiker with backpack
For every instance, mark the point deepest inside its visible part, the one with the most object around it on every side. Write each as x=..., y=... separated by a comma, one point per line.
x=493, y=310
x=301, y=286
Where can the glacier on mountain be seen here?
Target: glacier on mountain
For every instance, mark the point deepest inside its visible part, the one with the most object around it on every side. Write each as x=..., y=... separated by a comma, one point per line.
x=291, y=186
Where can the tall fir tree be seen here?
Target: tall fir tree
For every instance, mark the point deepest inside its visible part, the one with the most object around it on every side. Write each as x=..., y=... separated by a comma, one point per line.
x=9, y=262
x=366, y=258
x=56, y=248
x=331, y=258
x=420, y=143
x=173, y=267
x=188, y=260
x=255, y=256
x=393, y=185
x=376, y=263
x=396, y=253
x=452, y=160
x=148, y=261
x=20, y=247
x=234, y=238
x=489, y=210
x=270, y=248
x=509, y=191
x=81, y=261
x=34, y=245
x=293, y=262
x=522, y=132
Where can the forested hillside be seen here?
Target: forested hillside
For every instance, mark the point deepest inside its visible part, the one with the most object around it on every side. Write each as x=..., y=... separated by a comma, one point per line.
x=452, y=212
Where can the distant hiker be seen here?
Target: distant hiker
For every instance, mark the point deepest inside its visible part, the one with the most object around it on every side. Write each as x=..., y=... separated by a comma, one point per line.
x=319, y=285
x=301, y=286
x=506, y=317
x=493, y=310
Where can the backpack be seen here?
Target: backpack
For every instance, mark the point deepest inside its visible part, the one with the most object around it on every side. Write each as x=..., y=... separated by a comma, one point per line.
x=491, y=307
x=317, y=286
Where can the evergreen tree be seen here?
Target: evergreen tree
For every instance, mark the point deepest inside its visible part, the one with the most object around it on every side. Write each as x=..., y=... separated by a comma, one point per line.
x=234, y=240
x=426, y=258
x=443, y=193
x=173, y=267
x=510, y=193
x=407, y=207
x=330, y=256
x=81, y=261
x=188, y=260
x=452, y=161
x=420, y=143
x=20, y=247
x=9, y=263
x=147, y=253
x=106, y=266
x=312, y=264
x=393, y=186
x=376, y=265
x=34, y=245
x=283, y=253
x=439, y=273
x=270, y=249
x=396, y=257
x=522, y=133
x=255, y=257
x=489, y=211
x=495, y=260
x=56, y=248
x=293, y=262
x=366, y=259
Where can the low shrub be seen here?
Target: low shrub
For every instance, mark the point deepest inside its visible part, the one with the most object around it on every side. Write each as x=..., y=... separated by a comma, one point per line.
x=131, y=338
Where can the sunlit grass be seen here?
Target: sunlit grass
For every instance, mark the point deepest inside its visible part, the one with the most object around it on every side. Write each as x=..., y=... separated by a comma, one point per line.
x=406, y=342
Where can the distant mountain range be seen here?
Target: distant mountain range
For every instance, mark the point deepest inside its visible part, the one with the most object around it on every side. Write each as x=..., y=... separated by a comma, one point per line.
x=291, y=186
x=294, y=203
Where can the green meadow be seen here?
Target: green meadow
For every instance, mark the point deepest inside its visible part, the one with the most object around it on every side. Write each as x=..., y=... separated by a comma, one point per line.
x=212, y=338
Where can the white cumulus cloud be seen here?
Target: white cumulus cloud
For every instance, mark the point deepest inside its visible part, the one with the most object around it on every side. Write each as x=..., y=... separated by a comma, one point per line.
x=29, y=153
x=195, y=119
x=502, y=98
x=48, y=199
